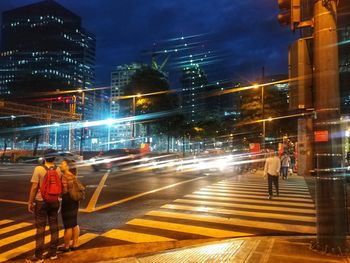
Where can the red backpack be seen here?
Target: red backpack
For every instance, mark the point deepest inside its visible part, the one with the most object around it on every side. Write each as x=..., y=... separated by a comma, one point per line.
x=51, y=188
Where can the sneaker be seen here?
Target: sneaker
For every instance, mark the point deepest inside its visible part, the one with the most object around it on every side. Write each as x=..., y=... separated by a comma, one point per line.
x=63, y=249
x=34, y=259
x=51, y=256
x=270, y=197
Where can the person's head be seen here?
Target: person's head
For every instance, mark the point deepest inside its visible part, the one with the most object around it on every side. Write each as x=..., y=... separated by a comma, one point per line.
x=50, y=155
x=69, y=166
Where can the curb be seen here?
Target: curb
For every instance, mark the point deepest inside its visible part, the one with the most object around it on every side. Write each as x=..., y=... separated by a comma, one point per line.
x=124, y=251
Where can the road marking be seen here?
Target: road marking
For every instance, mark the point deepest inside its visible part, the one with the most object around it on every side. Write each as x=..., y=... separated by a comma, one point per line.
x=134, y=237
x=92, y=203
x=23, y=249
x=257, y=188
x=244, y=206
x=252, y=196
x=272, y=202
x=256, y=192
x=262, y=186
x=5, y=221
x=13, y=201
x=139, y=195
x=236, y=222
x=286, y=186
x=310, y=219
x=14, y=227
x=17, y=237
x=203, y=231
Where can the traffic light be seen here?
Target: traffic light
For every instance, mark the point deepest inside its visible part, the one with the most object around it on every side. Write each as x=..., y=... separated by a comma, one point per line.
x=290, y=13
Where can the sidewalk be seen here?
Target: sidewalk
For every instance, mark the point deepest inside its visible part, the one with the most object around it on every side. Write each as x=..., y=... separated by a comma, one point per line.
x=244, y=250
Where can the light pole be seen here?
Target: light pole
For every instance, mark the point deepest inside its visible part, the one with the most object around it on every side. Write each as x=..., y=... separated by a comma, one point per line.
x=109, y=125
x=82, y=134
x=133, y=132
x=262, y=102
x=56, y=127
x=263, y=109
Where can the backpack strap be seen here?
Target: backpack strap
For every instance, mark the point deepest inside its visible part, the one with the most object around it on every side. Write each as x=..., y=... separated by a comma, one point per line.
x=49, y=168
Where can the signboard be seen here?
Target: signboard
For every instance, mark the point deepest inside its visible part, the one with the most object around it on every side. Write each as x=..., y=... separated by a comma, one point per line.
x=280, y=149
x=321, y=136
x=254, y=147
x=145, y=148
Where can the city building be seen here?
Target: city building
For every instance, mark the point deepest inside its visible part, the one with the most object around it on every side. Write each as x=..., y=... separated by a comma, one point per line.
x=120, y=135
x=193, y=83
x=45, y=48
x=220, y=104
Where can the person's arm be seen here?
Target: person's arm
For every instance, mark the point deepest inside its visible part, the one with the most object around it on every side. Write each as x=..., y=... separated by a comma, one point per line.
x=266, y=167
x=32, y=194
x=34, y=189
x=278, y=166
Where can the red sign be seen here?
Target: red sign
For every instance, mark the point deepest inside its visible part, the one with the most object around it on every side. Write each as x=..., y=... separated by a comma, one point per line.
x=254, y=147
x=321, y=136
x=280, y=149
x=145, y=148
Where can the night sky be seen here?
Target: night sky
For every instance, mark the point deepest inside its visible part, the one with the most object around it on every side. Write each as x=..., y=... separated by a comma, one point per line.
x=244, y=35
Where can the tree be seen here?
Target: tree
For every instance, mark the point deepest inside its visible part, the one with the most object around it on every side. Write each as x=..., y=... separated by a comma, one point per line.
x=149, y=80
x=275, y=105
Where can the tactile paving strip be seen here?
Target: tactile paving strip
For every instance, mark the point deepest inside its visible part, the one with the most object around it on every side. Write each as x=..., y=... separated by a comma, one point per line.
x=220, y=252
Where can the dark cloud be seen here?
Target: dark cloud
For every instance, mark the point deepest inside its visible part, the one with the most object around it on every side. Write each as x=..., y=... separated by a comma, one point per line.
x=246, y=31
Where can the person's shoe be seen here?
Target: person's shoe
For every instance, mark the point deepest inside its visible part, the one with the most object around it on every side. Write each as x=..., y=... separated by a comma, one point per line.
x=51, y=256
x=73, y=248
x=63, y=249
x=35, y=259
x=270, y=197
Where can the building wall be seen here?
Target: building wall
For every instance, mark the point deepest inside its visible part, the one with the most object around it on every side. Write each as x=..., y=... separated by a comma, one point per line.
x=121, y=134
x=46, y=42
x=193, y=82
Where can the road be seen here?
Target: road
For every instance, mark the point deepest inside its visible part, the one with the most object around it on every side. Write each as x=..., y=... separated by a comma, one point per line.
x=126, y=208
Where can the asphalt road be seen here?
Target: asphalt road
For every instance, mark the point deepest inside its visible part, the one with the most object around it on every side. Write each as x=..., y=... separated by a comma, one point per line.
x=118, y=186
x=143, y=206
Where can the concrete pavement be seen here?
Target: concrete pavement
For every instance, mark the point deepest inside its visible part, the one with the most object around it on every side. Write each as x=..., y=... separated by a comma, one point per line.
x=272, y=249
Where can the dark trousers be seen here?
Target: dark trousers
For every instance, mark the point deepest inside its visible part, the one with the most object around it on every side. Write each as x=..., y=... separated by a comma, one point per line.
x=273, y=179
x=284, y=170
x=44, y=212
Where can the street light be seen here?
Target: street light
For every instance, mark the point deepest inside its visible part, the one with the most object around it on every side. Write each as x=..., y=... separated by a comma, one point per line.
x=56, y=125
x=256, y=86
x=138, y=95
x=110, y=122
x=82, y=133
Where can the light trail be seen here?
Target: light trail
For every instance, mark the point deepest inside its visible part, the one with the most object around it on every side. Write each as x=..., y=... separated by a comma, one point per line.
x=87, y=124
x=143, y=95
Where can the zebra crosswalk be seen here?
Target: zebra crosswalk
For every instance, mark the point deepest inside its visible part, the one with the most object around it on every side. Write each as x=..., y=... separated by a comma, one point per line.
x=231, y=208
x=18, y=238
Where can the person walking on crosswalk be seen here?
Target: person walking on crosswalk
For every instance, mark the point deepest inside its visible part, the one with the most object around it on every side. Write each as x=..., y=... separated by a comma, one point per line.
x=272, y=170
x=44, y=203
x=285, y=163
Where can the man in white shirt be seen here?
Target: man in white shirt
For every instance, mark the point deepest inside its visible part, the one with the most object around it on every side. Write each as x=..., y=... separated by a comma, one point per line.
x=43, y=211
x=272, y=170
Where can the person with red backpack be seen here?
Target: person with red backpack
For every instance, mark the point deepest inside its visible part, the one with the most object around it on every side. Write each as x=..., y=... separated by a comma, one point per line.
x=44, y=203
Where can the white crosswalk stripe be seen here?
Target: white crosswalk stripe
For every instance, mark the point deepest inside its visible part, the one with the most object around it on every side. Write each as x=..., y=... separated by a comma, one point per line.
x=21, y=231
x=230, y=208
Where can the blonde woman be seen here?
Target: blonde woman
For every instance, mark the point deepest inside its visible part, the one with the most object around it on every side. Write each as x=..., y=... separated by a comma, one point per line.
x=69, y=208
